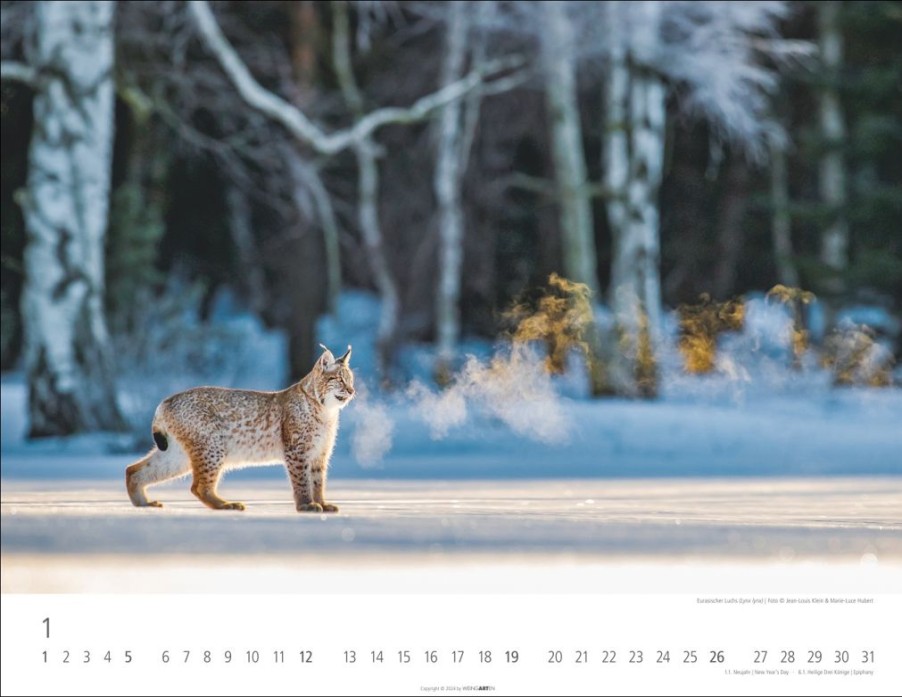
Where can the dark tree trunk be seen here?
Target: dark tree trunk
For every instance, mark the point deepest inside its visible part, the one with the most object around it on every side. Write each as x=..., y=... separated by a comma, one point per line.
x=731, y=229
x=305, y=286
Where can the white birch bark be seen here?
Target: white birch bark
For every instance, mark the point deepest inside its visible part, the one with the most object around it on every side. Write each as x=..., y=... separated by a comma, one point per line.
x=633, y=163
x=13, y=71
x=447, y=184
x=835, y=238
x=641, y=249
x=562, y=100
x=67, y=356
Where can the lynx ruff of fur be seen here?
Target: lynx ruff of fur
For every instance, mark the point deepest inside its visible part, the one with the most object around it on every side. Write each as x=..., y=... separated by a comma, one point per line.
x=208, y=430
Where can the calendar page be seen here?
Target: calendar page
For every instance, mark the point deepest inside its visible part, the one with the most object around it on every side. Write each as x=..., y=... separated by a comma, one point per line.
x=514, y=643
x=390, y=347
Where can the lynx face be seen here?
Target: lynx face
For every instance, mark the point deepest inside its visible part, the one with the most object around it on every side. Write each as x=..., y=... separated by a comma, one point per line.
x=336, y=381
x=338, y=388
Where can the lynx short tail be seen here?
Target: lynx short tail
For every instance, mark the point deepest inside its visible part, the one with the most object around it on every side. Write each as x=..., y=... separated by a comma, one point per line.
x=160, y=439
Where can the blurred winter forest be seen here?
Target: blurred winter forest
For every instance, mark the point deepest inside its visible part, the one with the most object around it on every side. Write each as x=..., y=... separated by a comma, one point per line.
x=168, y=164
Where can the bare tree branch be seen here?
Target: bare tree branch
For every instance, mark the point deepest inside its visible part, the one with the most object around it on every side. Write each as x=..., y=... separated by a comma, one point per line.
x=15, y=71
x=297, y=123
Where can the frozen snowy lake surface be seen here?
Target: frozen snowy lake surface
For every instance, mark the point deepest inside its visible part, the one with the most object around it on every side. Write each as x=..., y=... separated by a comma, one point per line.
x=71, y=535
x=695, y=488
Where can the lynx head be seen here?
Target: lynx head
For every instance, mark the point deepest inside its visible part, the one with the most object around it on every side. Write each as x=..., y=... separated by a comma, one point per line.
x=334, y=379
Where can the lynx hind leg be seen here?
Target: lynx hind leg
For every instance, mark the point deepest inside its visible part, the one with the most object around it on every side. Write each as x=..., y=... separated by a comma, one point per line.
x=207, y=473
x=155, y=467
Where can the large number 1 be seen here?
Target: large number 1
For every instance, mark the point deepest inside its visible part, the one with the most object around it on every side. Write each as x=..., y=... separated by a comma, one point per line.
x=46, y=623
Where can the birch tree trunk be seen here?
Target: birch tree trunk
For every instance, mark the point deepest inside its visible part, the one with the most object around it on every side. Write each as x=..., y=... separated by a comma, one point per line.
x=390, y=312
x=447, y=184
x=562, y=101
x=368, y=193
x=835, y=238
x=67, y=355
x=633, y=159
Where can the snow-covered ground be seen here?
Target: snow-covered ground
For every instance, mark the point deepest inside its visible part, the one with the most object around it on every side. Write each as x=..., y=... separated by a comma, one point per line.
x=85, y=536
x=761, y=517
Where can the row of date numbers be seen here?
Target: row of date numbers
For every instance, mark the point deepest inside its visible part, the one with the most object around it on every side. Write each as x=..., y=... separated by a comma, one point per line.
x=552, y=656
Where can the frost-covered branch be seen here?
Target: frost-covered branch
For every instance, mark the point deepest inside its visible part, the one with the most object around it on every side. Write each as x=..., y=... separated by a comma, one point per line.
x=712, y=49
x=296, y=122
x=14, y=71
x=250, y=90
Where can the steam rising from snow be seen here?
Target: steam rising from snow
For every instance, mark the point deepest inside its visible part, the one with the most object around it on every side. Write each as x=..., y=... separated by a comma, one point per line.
x=372, y=438
x=513, y=387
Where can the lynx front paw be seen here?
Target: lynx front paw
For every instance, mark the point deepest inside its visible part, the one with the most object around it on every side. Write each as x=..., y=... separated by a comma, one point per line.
x=155, y=504
x=330, y=508
x=233, y=506
x=310, y=508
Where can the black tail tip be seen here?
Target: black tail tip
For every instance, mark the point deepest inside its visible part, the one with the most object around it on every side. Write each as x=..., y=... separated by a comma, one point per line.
x=160, y=440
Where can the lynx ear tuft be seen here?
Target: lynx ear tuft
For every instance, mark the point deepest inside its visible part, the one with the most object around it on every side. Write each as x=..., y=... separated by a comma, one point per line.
x=345, y=358
x=327, y=358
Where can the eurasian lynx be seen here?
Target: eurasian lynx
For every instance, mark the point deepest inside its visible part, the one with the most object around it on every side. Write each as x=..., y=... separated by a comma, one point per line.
x=207, y=430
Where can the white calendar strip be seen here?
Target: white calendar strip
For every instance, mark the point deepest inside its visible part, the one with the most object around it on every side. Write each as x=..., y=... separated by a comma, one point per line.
x=444, y=574
x=392, y=644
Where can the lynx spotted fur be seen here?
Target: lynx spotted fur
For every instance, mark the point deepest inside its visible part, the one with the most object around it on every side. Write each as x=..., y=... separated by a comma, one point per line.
x=208, y=430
